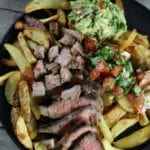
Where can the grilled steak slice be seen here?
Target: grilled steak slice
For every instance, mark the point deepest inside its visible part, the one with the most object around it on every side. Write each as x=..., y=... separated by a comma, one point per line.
x=65, y=75
x=72, y=93
x=64, y=107
x=39, y=52
x=89, y=142
x=54, y=28
x=38, y=89
x=52, y=81
x=52, y=68
x=67, y=40
x=77, y=49
x=78, y=35
x=53, y=53
x=64, y=58
x=68, y=140
x=39, y=69
x=35, y=23
x=61, y=126
x=50, y=143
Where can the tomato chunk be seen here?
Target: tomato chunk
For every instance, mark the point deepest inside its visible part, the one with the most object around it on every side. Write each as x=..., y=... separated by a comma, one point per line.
x=94, y=75
x=116, y=71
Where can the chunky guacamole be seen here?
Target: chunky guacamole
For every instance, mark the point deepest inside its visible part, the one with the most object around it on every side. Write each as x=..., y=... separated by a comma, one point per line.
x=97, y=18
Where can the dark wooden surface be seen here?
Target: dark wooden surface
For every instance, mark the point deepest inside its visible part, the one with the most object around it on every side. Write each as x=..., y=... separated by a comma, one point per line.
x=10, y=10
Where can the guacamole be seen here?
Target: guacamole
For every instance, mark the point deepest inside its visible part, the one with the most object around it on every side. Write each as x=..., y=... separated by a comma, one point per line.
x=97, y=18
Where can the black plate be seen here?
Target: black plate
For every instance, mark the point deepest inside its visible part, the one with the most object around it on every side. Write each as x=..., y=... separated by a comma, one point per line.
x=137, y=17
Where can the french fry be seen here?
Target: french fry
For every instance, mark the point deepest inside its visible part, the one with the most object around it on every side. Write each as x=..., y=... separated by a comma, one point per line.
x=11, y=86
x=114, y=115
x=107, y=145
x=143, y=119
x=20, y=25
x=107, y=100
x=25, y=101
x=20, y=60
x=39, y=146
x=125, y=104
x=32, y=45
x=122, y=125
x=135, y=139
x=25, y=49
x=104, y=129
x=129, y=41
x=52, y=18
x=46, y=4
x=22, y=133
x=8, y=62
x=37, y=36
x=15, y=113
x=61, y=17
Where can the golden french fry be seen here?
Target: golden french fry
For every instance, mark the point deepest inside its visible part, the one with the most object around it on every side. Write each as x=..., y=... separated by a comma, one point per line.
x=52, y=18
x=22, y=133
x=25, y=49
x=61, y=17
x=129, y=41
x=46, y=4
x=104, y=129
x=122, y=125
x=107, y=100
x=135, y=139
x=11, y=86
x=143, y=119
x=125, y=104
x=19, y=25
x=114, y=115
x=15, y=113
x=33, y=45
x=8, y=62
x=39, y=146
x=37, y=36
x=25, y=101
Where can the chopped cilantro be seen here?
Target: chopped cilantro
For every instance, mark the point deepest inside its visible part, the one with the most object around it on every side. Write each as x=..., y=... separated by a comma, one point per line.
x=136, y=90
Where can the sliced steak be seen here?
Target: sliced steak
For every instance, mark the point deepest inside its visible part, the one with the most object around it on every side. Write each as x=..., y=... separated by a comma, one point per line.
x=78, y=35
x=67, y=40
x=39, y=69
x=64, y=107
x=64, y=58
x=52, y=68
x=52, y=81
x=72, y=93
x=39, y=52
x=50, y=143
x=68, y=140
x=54, y=28
x=65, y=75
x=35, y=23
x=53, y=53
x=38, y=89
x=61, y=126
x=89, y=142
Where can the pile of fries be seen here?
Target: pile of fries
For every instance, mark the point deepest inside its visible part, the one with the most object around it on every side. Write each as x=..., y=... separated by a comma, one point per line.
x=24, y=114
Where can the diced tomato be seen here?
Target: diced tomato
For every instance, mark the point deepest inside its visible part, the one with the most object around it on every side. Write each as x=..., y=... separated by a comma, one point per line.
x=116, y=71
x=90, y=44
x=101, y=5
x=94, y=75
x=131, y=97
x=108, y=83
x=117, y=90
x=102, y=67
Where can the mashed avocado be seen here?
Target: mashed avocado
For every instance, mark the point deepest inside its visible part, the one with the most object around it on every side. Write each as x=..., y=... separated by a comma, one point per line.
x=97, y=18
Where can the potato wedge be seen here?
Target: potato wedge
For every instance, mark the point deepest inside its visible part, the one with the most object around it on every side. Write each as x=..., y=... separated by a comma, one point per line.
x=8, y=62
x=37, y=36
x=104, y=129
x=22, y=133
x=11, y=86
x=20, y=60
x=25, y=101
x=114, y=115
x=122, y=125
x=32, y=45
x=135, y=139
x=143, y=119
x=107, y=145
x=61, y=17
x=15, y=113
x=39, y=146
x=25, y=49
x=52, y=18
x=46, y=4
x=125, y=104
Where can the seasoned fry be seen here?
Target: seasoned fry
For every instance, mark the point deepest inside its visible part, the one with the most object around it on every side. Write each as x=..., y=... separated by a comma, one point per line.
x=8, y=62
x=143, y=119
x=107, y=100
x=25, y=101
x=4, y=77
x=39, y=146
x=46, y=4
x=11, y=86
x=129, y=41
x=61, y=17
x=24, y=47
x=122, y=125
x=137, y=138
x=125, y=104
x=38, y=36
x=114, y=115
x=22, y=133
x=107, y=145
x=15, y=113
x=104, y=129
x=32, y=45
x=19, y=25
x=52, y=18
